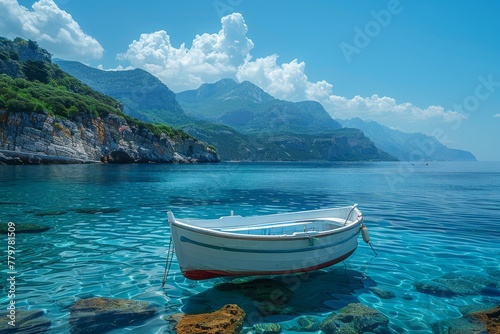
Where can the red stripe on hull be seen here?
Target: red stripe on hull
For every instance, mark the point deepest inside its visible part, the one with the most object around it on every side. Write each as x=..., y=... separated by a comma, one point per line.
x=207, y=274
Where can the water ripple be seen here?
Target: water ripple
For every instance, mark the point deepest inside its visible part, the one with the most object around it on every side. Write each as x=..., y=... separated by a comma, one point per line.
x=112, y=238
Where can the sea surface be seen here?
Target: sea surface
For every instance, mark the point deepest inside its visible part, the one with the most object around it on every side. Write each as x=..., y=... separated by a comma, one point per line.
x=109, y=235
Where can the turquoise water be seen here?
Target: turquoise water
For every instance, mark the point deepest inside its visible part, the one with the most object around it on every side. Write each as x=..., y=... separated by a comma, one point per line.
x=109, y=234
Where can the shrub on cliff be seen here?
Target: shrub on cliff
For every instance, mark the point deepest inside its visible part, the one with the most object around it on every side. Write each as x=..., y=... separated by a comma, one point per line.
x=41, y=86
x=36, y=70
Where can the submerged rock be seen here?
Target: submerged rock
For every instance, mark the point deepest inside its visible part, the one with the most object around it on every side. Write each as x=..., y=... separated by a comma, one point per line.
x=468, y=309
x=94, y=211
x=355, y=318
x=453, y=284
x=271, y=296
x=98, y=314
x=172, y=320
x=306, y=323
x=384, y=294
x=32, y=321
x=50, y=213
x=259, y=289
x=490, y=318
x=459, y=326
x=267, y=328
x=477, y=322
x=228, y=320
x=23, y=228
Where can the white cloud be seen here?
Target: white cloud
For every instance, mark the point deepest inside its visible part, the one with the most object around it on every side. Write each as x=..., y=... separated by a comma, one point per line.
x=118, y=68
x=53, y=29
x=227, y=54
x=496, y=116
x=285, y=81
x=386, y=109
x=210, y=58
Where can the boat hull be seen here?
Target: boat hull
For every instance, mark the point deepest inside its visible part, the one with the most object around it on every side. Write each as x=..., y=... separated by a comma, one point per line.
x=203, y=256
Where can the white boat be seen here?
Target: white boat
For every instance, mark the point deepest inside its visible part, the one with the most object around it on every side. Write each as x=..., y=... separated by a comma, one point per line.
x=265, y=245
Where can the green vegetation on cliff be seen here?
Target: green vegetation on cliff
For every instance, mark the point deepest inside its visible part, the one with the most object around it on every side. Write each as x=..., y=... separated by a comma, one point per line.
x=29, y=82
x=142, y=95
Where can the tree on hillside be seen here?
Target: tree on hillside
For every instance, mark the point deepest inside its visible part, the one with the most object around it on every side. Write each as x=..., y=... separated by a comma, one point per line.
x=36, y=70
x=32, y=45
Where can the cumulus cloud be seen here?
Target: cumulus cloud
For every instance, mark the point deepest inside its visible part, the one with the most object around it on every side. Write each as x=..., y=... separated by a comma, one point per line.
x=118, y=68
x=227, y=54
x=285, y=81
x=386, y=109
x=53, y=29
x=210, y=58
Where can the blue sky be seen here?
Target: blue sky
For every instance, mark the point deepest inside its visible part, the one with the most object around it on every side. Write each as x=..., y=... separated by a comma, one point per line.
x=426, y=66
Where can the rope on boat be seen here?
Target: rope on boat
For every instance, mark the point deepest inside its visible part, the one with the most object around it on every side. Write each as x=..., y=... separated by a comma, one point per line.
x=366, y=237
x=376, y=254
x=168, y=261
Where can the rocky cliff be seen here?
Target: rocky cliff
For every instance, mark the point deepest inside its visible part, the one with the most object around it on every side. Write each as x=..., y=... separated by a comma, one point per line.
x=40, y=138
x=48, y=116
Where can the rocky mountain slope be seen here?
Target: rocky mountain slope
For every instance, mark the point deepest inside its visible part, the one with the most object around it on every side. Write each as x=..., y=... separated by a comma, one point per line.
x=240, y=119
x=143, y=95
x=48, y=116
x=277, y=129
x=408, y=146
x=247, y=108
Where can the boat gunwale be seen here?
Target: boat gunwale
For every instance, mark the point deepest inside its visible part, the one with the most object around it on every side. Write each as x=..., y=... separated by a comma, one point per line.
x=350, y=224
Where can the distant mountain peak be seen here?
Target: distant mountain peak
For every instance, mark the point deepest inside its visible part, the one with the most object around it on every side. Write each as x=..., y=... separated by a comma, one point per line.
x=226, y=89
x=249, y=109
x=407, y=146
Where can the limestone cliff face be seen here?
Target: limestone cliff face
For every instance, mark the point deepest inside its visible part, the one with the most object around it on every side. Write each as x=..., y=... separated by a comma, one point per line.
x=40, y=138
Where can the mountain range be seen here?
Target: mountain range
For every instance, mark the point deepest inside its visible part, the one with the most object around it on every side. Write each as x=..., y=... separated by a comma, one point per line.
x=248, y=109
x=143, y=95
x=246, y=123
x=242, y=121
x=408, y=146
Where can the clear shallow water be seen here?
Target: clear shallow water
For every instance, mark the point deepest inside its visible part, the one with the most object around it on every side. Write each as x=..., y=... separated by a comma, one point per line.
x=425, y=221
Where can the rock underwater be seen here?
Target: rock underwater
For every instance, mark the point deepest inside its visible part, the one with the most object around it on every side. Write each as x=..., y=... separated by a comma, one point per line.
x=99, y=314
x=229, y=320
x=478, y=322
x=454, y=284
x=23, y=228
x=270, y=296
x=26, y=321
x=355, y=318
